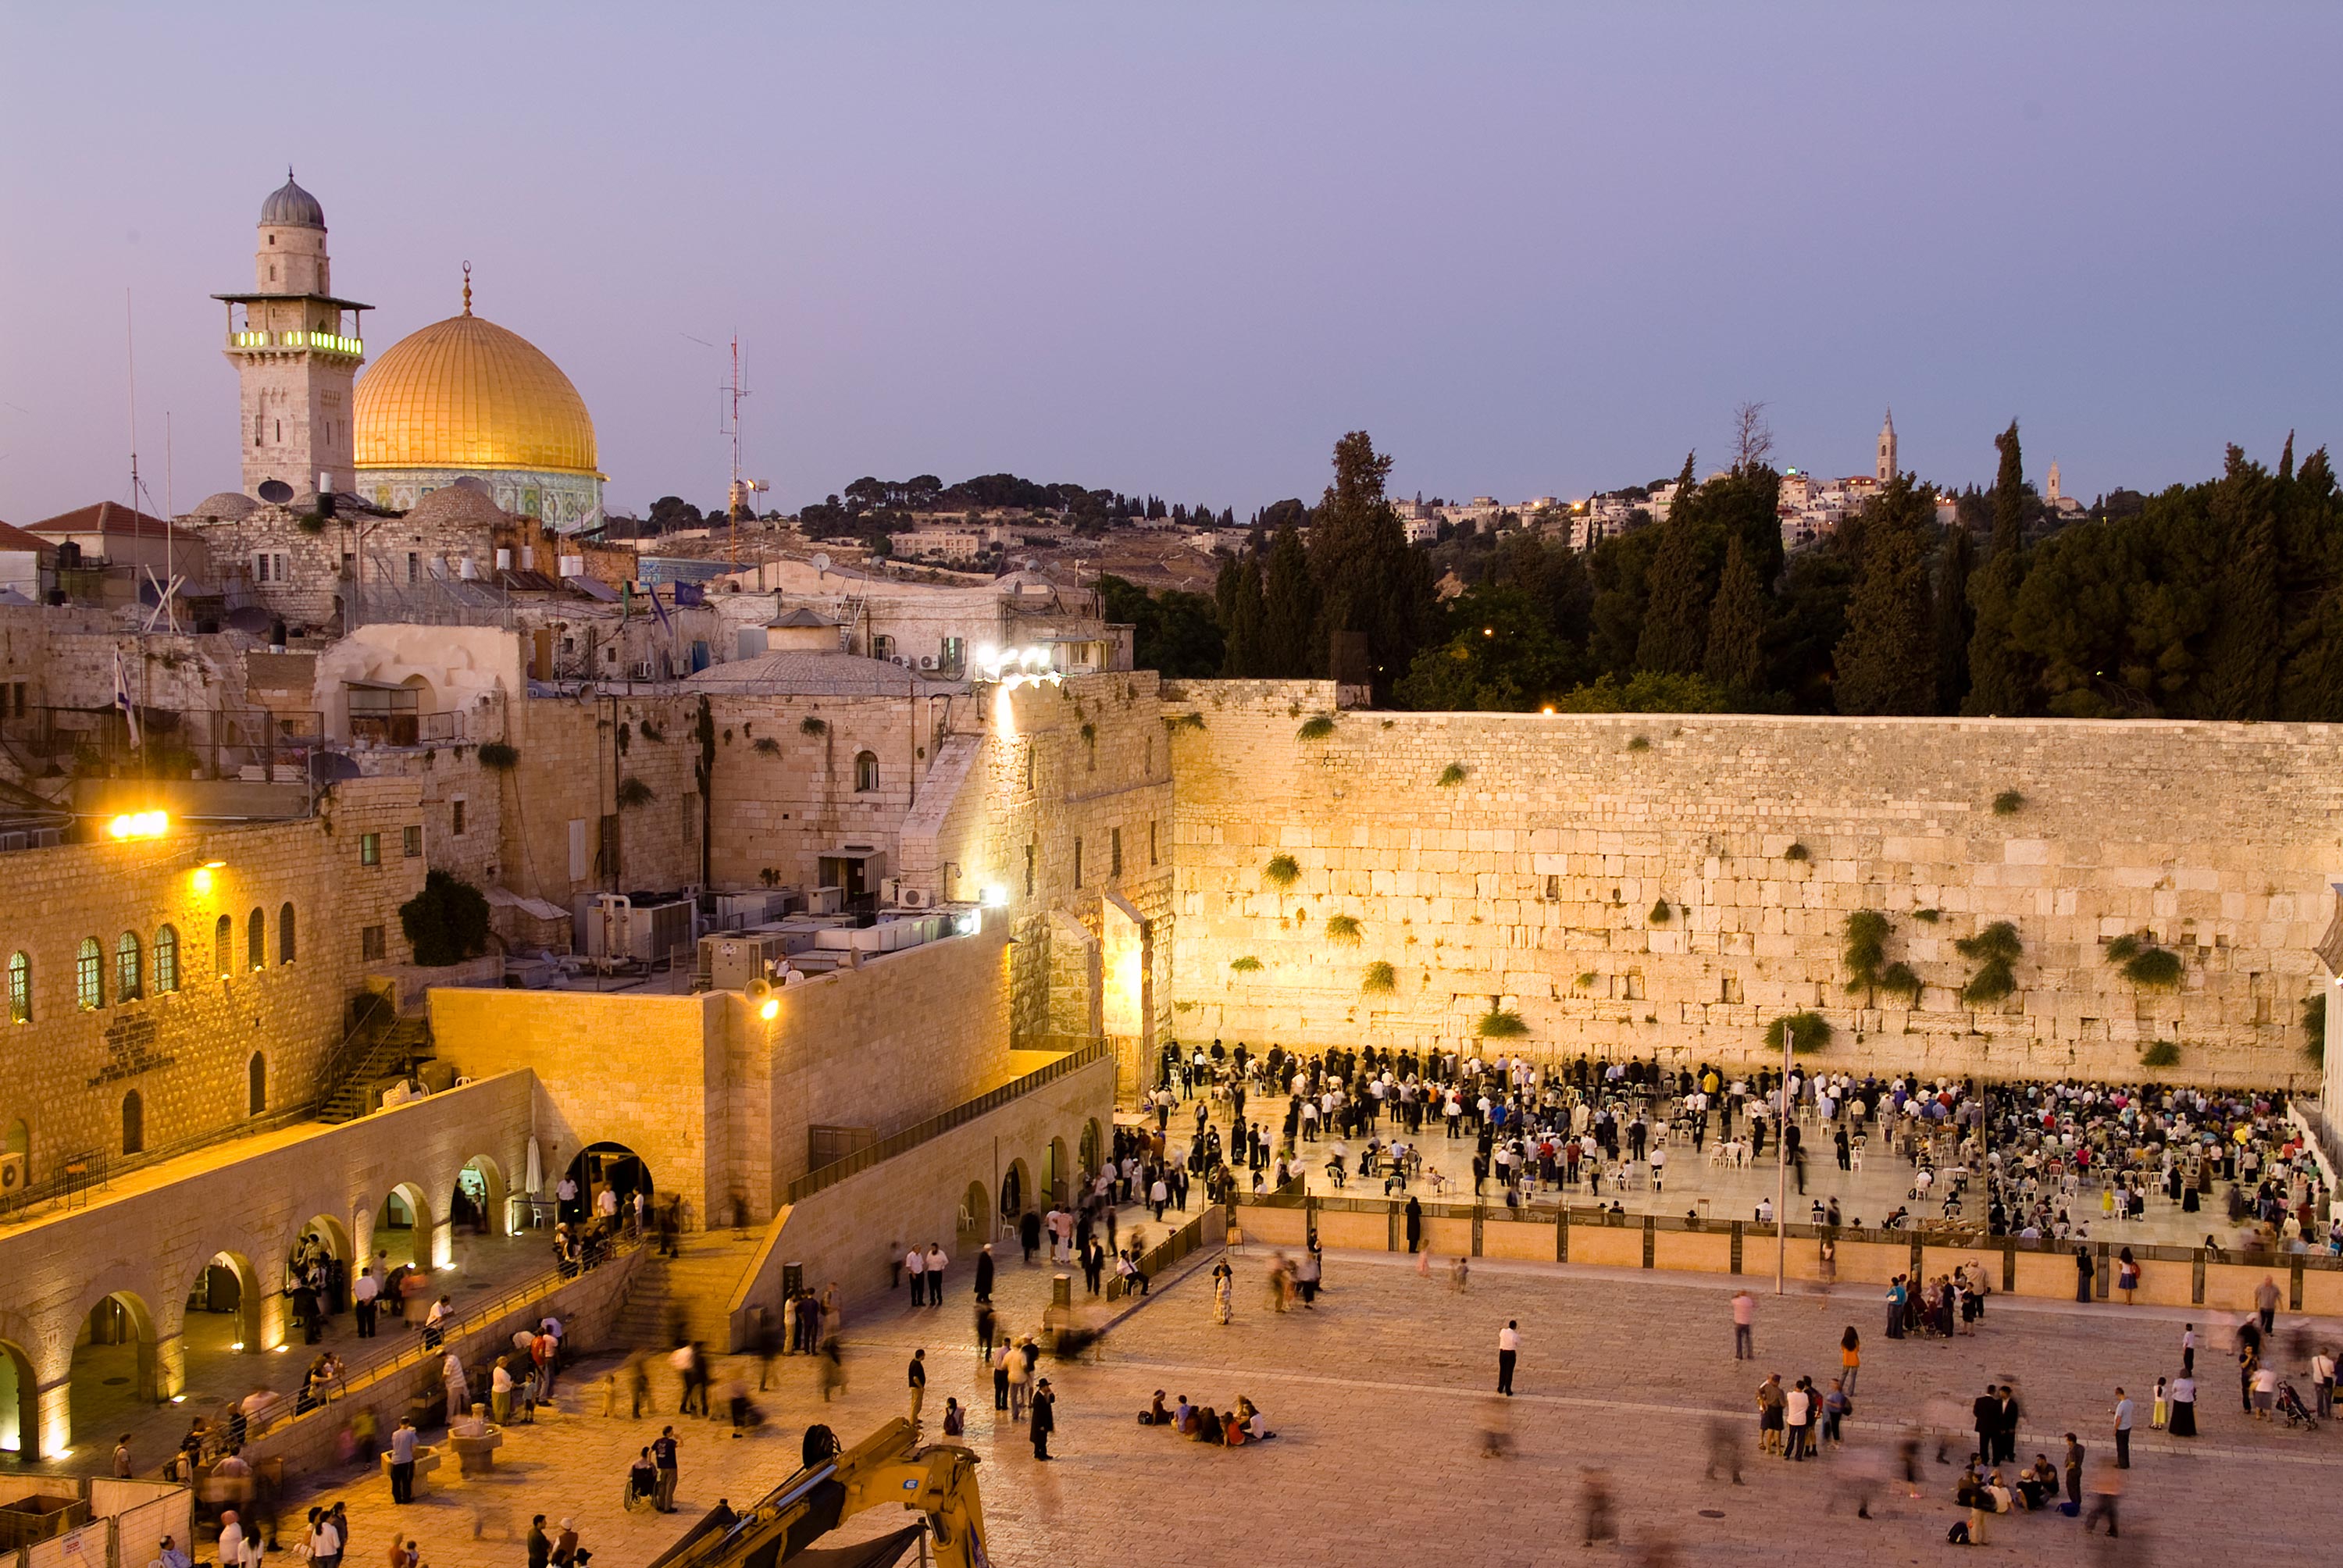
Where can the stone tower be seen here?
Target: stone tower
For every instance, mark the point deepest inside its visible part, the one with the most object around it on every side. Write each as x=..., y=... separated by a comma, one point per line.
x=2051, y=495
x=1886, y=468
x=296, y=352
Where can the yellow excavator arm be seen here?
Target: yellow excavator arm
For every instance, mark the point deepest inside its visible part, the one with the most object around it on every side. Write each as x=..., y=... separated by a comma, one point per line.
x=888, y=1466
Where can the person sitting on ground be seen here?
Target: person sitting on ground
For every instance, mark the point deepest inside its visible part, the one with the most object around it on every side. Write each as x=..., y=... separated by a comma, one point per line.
x=1183, y=1417
x=1207, y=1427
x=1256, y=1424
x=1156, y=1414
x=1232, y=1431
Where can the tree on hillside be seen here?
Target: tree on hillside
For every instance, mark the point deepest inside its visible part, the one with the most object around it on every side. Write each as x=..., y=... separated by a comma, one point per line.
x=1886, y=662
x=2240, y=678
x=1238, y=599
x=1752, y=438
x=1175, y=633
x=1735, y=655
x=1288, y=609
x=1952, y=618
x=2000, y=677
x=1368, y=579
x=1677, y=598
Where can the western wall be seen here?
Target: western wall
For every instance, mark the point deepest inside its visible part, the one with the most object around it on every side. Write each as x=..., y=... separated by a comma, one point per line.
x=1641, y=884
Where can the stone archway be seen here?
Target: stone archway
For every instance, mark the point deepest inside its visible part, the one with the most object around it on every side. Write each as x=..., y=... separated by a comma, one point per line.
x=225, y=1307
x=403, y=1228
x=479, y=1202
x=1017, y=1191
x=116, y=1370
x=20, y=1404
x=976, y=1220
x=1093, y=1146
x=1057, y=1176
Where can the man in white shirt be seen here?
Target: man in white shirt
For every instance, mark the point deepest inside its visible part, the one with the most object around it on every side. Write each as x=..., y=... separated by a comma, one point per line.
x=363, y=1292
x=915, y=1264
x=1795, y=1406
x=1509, y=1346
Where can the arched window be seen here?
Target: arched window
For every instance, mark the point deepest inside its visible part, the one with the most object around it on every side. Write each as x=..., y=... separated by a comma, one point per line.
x=866, y=772
x=134, y=1123
x=167, y=960
x=284, y=932
x=129, y=968
x=256, y=1082
x=224, y=945
x=256, y=941
x=89, y=975
x=20, y=989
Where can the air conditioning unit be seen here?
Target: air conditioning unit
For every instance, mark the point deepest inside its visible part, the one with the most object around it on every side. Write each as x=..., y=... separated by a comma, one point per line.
x=910, y=897
x=734, y=963
x=927, y=661
x=15, y=1176
x=14, y=841
x=888, y=888
x=902, y=660
x=47, y=837
x=642, y=669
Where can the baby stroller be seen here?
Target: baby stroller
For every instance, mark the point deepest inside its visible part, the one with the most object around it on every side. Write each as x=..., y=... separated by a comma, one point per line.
x=2291, y=1405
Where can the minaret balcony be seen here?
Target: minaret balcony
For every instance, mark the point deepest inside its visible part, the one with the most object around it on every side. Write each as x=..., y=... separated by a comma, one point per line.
x=312, y=340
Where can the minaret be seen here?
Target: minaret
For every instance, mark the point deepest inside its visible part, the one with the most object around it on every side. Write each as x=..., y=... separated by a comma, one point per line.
x=296, y=350
x=1886, y=465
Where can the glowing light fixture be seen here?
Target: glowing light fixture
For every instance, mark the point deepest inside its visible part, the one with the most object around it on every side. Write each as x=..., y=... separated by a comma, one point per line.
x=993, y=895
x=771, y=1010
x=139, y=825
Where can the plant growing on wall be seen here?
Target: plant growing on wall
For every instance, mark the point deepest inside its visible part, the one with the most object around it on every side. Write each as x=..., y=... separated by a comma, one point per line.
x=1797, y=852
x=1497, y=1023
x=1898, y=979
x=1995, y=951
x=1640, y=743
x=626, y=734
x=1450, y=775
x=1283, y=872
x=2142, y=963
x=1660, y=911
x=1317, y=728
x=1343, y=929
x=501, y=758
x=1586, y=980
x=766, y=745
x=1380, y=979
x=447, y=922
x=651, y=732
x=2313, y=1028
x=633, y=792
x=1867, y=933
x=1929, y=916
x=809, y=725
x=2163, y=1054
x=1247, y=965
x=1808, y=1031
x=2008, y=803
x=1183, y=722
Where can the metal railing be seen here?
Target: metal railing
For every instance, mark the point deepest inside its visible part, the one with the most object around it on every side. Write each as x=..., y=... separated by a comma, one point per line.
x=910, y=1137
x=425, y=1351
x=1209, y=1229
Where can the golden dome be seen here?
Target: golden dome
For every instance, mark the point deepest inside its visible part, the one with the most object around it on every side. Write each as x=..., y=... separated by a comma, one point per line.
x=466, y=394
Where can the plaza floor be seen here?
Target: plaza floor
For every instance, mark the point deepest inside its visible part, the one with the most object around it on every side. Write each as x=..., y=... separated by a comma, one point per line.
x=1382, y=1398
x=1719, y=1189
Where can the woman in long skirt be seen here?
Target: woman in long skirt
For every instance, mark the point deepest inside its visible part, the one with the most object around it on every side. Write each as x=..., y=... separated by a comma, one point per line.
x=2184, y=1407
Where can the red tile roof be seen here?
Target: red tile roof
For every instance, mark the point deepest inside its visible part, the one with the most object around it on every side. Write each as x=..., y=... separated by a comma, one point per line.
x=109, y=517
x=15, y=538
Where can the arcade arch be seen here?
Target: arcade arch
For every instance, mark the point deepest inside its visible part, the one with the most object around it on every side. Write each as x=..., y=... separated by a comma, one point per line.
x=402, y=1227
x=115, y=1369
x=1016, y=1191
x=975, y=1228
x=479, y=1203
x=611, y=1167
x=20, y=1404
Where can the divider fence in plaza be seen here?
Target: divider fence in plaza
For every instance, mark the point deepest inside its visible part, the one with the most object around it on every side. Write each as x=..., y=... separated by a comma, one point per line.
x=2222, y=1279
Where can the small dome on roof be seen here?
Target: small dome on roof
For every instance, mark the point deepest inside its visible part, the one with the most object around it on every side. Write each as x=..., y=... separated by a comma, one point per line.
x=289, y=206
x=227, y=507
x=457, y=505
x=803, y=671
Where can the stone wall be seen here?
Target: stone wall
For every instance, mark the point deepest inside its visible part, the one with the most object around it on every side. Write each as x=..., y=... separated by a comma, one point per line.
x=1533, y=881
x=849, y=1232
x=186, y=1053
x=716, y=1099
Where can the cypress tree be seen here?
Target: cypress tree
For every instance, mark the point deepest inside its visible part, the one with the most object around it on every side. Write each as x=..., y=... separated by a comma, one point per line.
x=1368, y=579
x=1676, y=609
x=2000, y=676
x=1737, y=627
x=1953, y=623
x=1289, y=610
x=1886, y=661
x=2240, y=677
x=1242, y=631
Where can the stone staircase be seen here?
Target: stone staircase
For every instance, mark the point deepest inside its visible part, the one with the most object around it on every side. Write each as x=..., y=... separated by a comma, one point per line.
x=698, y=1283
x=394, y=1048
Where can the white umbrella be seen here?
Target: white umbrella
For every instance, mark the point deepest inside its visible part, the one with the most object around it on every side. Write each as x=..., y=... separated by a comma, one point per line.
x=536, y=1167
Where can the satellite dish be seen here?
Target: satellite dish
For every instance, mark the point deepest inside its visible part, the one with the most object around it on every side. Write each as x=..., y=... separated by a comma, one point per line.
x=475, y=483
x=1033, y=564
x=821, y=563
x=275, y=492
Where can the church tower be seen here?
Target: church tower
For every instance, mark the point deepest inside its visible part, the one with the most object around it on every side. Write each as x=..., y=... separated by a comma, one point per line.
x=1886, y=468
x=296, y=352
x=2052, y=493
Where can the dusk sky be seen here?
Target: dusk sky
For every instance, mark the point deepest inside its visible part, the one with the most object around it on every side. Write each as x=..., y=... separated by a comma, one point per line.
x=1179, y=249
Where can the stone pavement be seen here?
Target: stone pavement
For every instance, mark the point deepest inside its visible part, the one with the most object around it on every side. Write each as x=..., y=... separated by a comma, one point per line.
x=1381, y=1398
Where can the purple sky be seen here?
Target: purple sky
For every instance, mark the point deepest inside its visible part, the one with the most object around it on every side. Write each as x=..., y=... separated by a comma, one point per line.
x=1181, y=248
